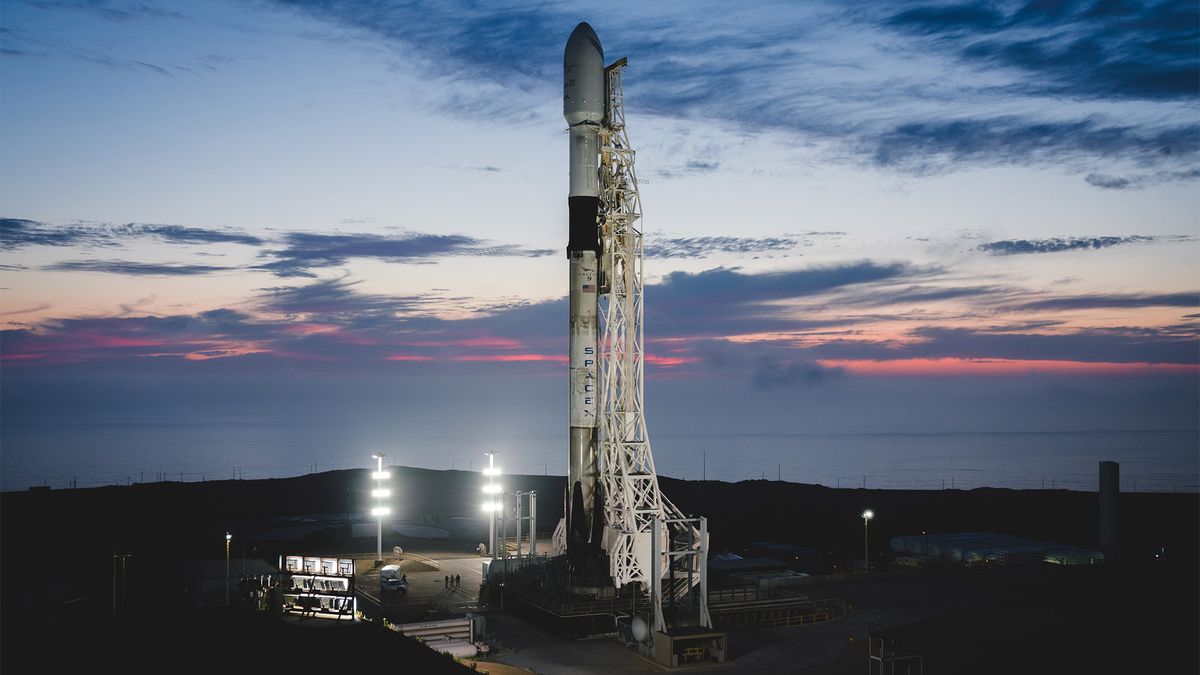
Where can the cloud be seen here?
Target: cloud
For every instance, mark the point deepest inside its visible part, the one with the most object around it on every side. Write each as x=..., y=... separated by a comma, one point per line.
x=815, y=71
x=1164, y=345
x=726, y=301
x=1058, y=244
x=200, y=336
x=130, y=268
x=703, y=247
x=718, y=321
x=879, y=295
x=1112, y=301
x=113, y=10
x=1138, y=182
x=769, y=375
x=178, y=234
x=693, y=167
x=1109, y=182
x=304, y=251
x=334, y=321
x=767, y=366
x=936, y=146
x=19, y=233
x=339, y=301
x=1104, y=50
x=1108, y=345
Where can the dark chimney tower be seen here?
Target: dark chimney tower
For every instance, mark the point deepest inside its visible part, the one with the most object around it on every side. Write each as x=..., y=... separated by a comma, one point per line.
x=1110, y=488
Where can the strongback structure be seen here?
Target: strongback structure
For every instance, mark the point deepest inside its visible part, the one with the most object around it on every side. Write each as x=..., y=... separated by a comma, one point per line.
x=614, y=508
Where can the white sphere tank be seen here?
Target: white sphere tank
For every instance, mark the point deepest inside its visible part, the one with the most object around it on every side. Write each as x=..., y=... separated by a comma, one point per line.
x=583, y=77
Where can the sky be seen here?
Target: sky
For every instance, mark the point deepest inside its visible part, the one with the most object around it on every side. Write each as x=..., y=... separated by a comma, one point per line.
x=881, y=216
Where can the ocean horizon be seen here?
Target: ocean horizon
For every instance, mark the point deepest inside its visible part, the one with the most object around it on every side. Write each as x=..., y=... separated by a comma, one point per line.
x=90, y=454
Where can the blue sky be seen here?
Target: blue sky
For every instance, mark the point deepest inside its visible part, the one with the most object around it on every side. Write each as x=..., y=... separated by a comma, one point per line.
x=978, y=215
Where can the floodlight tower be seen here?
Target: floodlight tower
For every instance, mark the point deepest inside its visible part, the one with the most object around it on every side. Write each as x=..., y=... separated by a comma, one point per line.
x=490, y=505
x=380, y=509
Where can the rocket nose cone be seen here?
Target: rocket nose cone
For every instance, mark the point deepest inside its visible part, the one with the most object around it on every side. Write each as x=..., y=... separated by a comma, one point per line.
x=583, y=77
x=584, y=38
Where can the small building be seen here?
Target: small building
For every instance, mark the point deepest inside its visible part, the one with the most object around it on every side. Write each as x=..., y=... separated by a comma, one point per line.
x=318, y=587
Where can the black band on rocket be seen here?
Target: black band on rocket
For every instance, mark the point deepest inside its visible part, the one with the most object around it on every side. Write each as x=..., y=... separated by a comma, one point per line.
x=584, y=233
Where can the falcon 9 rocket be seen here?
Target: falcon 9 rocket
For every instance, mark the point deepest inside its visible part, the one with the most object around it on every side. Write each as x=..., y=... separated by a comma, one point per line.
x=584, y=94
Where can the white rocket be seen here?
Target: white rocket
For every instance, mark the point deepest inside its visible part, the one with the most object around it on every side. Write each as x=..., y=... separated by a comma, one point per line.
x=584, y=95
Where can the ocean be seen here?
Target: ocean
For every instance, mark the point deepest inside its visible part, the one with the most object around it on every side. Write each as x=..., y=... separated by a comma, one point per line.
x=93, y=454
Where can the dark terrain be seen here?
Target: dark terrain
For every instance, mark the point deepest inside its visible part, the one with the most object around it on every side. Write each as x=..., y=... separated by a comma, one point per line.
x=56, y=548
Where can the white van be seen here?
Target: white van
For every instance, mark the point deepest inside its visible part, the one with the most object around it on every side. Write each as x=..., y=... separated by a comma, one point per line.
x=392, y=580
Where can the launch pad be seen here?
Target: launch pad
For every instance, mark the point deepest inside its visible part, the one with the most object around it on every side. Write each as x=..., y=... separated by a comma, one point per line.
x=549, y=592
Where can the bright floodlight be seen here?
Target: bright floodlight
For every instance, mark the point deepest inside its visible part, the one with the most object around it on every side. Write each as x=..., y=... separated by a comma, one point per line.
x=228, y=536
x=868, y=514
x=491, y=506
x=380, y=510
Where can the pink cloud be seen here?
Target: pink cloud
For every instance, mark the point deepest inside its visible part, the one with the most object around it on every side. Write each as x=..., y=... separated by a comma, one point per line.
x=670, y=361
x=559, y=358
x=956, y=366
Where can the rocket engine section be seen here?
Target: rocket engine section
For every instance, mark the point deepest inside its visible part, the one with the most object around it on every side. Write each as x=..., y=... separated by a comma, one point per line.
x=584, y=96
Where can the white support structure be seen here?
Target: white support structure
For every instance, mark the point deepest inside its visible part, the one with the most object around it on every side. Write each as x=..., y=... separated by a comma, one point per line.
x=639, y=520
x=632, y=501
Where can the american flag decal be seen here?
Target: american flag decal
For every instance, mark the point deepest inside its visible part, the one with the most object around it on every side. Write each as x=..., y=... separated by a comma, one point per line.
x=589, y=288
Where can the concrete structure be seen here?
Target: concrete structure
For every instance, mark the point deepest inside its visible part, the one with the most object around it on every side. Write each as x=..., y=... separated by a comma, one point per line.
x=1110, y=490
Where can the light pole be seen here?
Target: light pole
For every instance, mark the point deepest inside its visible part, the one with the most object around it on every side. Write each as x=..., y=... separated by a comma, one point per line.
x=866, y=516
x=380, y=509
x=228, y=537
x=122, y=557
x=491, y=488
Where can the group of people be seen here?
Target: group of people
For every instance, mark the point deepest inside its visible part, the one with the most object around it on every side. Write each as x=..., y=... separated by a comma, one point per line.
x=453, y=581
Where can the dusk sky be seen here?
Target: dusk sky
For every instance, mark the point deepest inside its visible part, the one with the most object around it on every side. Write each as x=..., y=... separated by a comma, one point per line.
x=860, y=216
